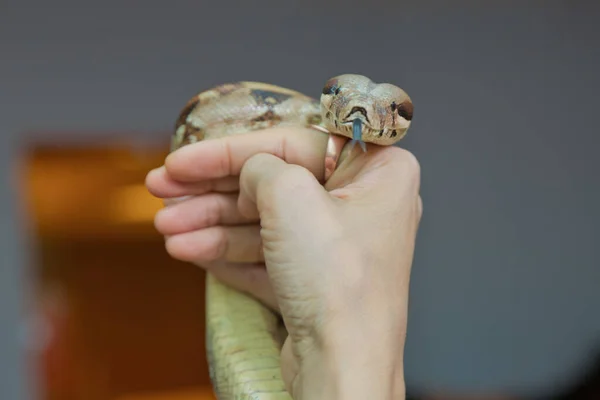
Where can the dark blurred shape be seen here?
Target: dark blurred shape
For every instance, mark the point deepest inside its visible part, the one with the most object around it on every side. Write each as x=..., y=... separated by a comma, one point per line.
x=587, y=387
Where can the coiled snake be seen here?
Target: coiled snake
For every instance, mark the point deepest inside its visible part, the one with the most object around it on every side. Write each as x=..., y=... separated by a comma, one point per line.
x=243, y=337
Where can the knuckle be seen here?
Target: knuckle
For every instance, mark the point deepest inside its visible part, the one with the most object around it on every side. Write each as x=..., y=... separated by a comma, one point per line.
x=254, y=277
x=408, y=163
x=215, y=211
x=217, y=247
x=227, y=158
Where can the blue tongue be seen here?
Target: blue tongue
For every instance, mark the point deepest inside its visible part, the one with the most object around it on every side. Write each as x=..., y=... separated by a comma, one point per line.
x=357, y=135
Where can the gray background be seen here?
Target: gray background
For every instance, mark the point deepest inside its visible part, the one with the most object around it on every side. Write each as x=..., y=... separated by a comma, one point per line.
x=505, y=287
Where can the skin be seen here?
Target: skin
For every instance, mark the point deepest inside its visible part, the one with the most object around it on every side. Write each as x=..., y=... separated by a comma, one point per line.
x=334, y=260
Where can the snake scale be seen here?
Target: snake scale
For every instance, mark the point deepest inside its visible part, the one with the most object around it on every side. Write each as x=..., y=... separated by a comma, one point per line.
x=243, y=337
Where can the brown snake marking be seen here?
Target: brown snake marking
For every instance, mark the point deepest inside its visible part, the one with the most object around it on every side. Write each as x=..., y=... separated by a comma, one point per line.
x=383, y=110
x=242, y=342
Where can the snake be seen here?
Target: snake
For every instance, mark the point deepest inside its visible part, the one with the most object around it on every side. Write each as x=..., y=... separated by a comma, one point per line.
x=243, y=336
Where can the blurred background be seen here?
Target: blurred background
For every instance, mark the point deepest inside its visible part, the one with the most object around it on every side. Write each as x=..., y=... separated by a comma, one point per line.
x=506, y=281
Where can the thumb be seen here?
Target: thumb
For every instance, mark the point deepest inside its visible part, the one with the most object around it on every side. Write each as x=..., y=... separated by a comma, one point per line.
x=272, y=188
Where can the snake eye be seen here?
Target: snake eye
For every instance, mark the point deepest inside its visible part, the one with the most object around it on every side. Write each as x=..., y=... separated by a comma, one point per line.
x=331, y=87
x=405, y=110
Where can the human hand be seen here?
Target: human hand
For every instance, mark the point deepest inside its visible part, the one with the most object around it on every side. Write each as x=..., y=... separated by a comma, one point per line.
x=201, y=221
x=337, y=258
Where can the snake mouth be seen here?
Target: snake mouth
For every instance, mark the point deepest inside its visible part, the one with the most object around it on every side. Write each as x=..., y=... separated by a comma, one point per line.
x=352, y=124
x=357, y=112
x=351, y=121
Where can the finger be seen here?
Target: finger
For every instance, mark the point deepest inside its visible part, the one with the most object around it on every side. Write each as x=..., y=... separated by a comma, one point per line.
x=234, y=244
x=382, y=175
x=271, y=186
x=247, y=278
x=200, y=212
x=218, y=158
x=160, y=184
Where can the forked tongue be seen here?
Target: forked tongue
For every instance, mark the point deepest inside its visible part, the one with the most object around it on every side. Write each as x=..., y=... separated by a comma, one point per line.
x=357, y=135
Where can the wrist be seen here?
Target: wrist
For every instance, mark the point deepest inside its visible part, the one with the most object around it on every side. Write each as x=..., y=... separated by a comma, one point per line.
x=353, y=363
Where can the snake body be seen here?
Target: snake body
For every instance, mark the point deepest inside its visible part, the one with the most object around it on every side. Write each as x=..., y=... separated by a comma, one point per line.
x=243, y=337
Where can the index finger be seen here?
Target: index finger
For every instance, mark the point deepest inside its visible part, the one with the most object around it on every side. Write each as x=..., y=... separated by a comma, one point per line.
x=222, y=157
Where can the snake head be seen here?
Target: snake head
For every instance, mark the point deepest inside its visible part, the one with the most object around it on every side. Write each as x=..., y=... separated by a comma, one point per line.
x=384, y=110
